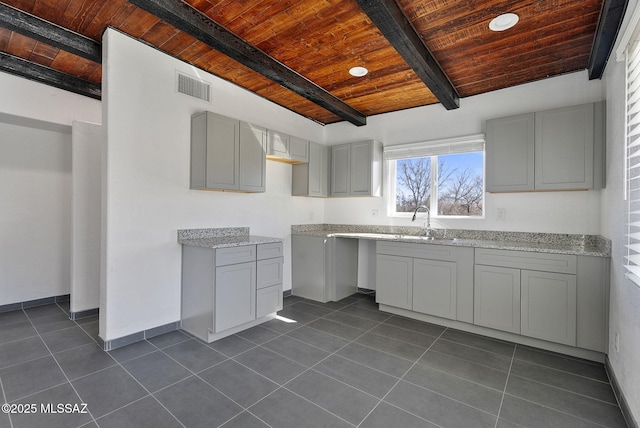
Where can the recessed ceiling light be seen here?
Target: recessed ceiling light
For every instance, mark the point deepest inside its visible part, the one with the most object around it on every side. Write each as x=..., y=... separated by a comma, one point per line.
x=358, y=71
x=504, y=22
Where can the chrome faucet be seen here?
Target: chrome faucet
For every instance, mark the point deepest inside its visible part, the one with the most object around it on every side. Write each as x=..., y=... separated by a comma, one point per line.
x=427, y=227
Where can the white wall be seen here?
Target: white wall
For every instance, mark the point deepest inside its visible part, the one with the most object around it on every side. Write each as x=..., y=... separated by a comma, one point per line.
x=552, y=212
x=86, y=158
x=27, y=99
x=35, y=210
x=35, y=184
x=147, y=196
x=624, y=312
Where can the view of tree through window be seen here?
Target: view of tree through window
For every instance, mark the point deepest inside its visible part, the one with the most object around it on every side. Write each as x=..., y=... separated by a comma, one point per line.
x=457, y=179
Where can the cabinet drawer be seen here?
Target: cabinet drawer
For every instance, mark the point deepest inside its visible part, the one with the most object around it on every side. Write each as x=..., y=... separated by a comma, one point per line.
x=269, y=272
x=233, y=255
x=268, y=300
x=269, y=251
x=560, y=263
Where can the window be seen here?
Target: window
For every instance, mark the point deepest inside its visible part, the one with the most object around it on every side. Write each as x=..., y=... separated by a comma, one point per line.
x=447, y=176
x=632, y=160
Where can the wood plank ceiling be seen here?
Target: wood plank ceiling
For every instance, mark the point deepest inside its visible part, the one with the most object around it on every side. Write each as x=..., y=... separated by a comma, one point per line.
x=408, y=46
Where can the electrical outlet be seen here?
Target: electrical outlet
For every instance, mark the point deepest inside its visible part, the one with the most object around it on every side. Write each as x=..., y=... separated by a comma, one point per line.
x=616, y=342
x=501, y=214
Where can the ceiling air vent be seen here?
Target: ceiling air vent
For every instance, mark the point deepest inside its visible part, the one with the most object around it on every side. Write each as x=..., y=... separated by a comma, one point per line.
x=193, y=87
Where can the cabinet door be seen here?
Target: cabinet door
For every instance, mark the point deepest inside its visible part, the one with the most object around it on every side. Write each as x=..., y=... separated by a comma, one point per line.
x=234, y=296
x=253, y=162
x=308, y=267
x=497, y=298
x=298, y=149
x=434, y=288
x=549, y=306
x=564, y=141
x=268, y=300
x=340, y=170
x=394, y=281
x=361, y=164
x=318, y=170
x=278, y=144
x=223, y=152
x=510, y=153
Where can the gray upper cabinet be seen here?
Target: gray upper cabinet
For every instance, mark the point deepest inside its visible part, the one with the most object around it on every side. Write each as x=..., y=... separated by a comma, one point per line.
x=227, y=154
x=356, y=169
x=559, y=149
x=253, y=165
x=510, y=153
x=312, y=179
x=341, y=170
x=564, y=146
x=286, y=148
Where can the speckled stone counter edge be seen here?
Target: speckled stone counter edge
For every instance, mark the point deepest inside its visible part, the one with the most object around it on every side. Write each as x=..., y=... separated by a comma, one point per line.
x=575, y=244
x=220, y=232
x=222, y=237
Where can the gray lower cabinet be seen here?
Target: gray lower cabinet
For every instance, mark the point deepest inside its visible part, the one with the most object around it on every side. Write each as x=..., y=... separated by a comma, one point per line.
x=269, y=279
x=312, y=178
x=324, y=269
x=435, y=288
x=234, y=296
x=559, y=149
x=356, y=169
x=497, y=298
x=227, y=154
x=435, y=280
x=549, y=306
x=559, y=298
x=226, y=290
x=394, y=281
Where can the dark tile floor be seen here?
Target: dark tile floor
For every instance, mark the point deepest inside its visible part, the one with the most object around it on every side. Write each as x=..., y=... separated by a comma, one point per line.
x=341, y=364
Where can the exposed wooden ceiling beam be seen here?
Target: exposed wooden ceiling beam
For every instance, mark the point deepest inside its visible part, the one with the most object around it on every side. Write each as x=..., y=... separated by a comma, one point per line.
x=51, y=34
x=48, y=76
x=191, y=21
x=606, y=33
x=396, y=27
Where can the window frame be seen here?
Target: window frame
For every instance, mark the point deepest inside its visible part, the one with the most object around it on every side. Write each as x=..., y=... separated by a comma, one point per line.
x=433, y=149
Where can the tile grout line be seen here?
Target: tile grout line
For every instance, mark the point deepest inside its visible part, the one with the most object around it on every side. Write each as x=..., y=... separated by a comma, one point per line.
x=568, y=391
x=4, y=397
x=400, y=380
x=504, y=390
x=149, y=393
x=564, y=371
x=60, y=367
x=555, y=410
x=283, y=386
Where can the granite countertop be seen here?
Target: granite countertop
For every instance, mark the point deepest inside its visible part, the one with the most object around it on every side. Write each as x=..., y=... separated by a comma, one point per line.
x=581, y=245
x=222, y=237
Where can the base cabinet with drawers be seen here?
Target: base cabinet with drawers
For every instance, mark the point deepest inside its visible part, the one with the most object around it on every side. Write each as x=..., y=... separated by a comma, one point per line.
x=226, y=290
x=550, y=300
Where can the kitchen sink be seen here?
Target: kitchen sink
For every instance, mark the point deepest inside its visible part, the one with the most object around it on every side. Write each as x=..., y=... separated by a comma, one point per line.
x=392, y=236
